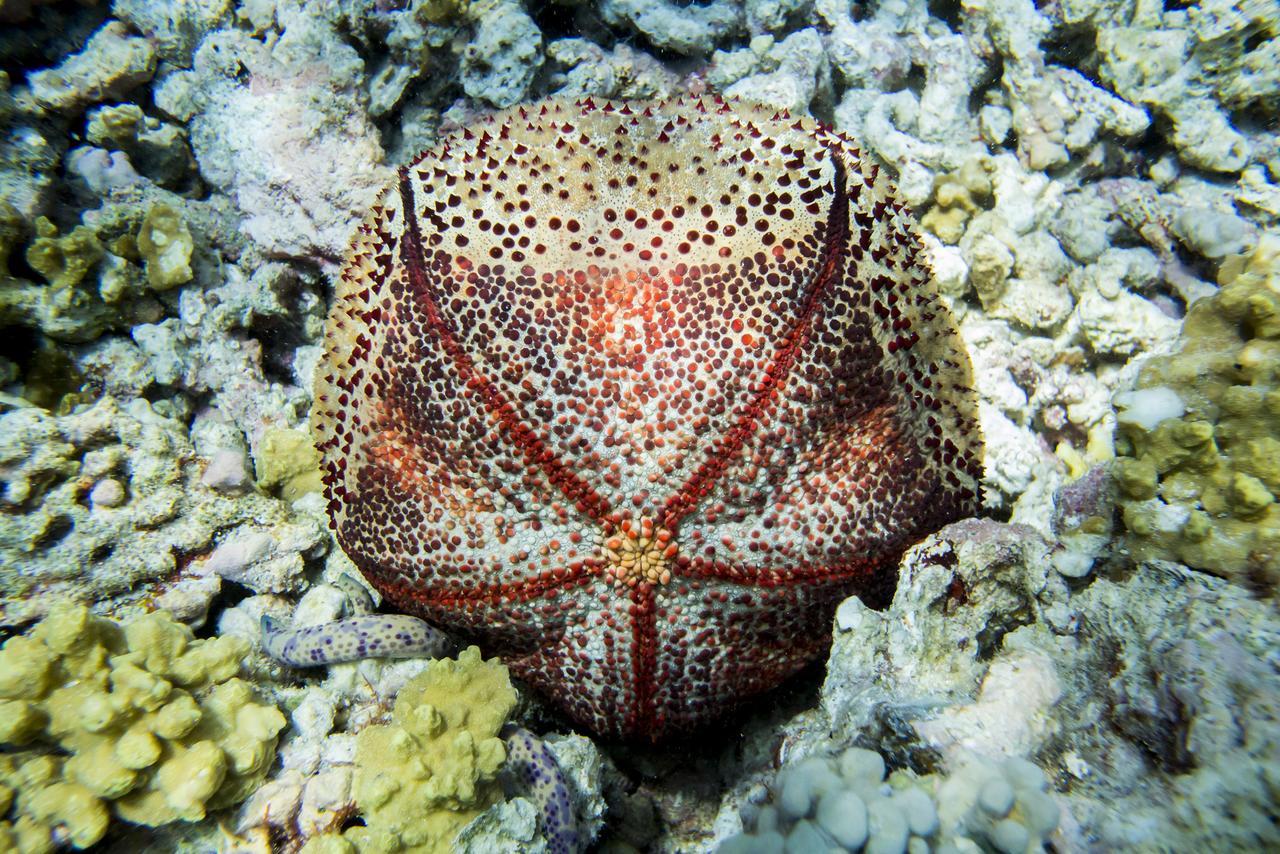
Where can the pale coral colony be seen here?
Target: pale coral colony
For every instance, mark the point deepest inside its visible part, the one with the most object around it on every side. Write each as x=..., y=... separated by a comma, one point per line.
x=1045, y=452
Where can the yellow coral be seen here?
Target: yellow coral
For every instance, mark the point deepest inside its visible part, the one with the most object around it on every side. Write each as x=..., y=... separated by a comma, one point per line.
x=957, y=197
x=151, y=724
x=1201, y=488
x=423, y=777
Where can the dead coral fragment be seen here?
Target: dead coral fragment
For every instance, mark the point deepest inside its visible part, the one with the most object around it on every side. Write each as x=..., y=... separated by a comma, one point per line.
x=63, y=261
x=165, y=244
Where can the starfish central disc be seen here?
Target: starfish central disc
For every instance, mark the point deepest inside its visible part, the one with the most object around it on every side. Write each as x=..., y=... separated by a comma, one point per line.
x=639, y=550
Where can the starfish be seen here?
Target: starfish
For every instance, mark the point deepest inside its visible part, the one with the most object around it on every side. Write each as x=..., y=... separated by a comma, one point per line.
x=636, y=394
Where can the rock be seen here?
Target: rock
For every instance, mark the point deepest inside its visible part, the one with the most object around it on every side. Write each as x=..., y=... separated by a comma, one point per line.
x=499, y=64
x=689, y=30
x=111, y=64
x=304, y=178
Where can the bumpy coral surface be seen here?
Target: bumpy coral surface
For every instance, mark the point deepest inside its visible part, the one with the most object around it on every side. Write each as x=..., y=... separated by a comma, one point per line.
x=1202, y=468
x=145, y=722
x=638, y=395
x=434, y=767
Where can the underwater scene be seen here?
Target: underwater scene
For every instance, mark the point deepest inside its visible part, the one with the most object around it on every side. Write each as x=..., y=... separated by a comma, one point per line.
x=567, y=426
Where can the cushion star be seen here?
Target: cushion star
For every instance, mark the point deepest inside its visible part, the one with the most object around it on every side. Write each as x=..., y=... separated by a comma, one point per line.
x=635, y=393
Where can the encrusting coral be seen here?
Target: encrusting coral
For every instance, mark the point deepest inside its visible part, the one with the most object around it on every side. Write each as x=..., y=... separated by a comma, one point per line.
x=1201, y=467
x=138, y=720
x=421, y=778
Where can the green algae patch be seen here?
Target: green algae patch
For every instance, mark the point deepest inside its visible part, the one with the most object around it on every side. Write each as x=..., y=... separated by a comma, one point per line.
x=140, y=721
x=87, y=288
x=1199, y=478
x=423, y=777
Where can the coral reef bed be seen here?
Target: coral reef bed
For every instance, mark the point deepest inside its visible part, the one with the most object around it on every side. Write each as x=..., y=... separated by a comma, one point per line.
x=1099, y=193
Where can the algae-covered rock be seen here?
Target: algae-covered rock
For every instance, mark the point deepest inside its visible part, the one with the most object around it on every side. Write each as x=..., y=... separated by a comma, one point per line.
x=287, y=459
x=151, y=725
x=65, y=260
x=956, y=198
x=157, y=149
x=87, y=289
x=420, y=779
x=111, y=64
x=165, y=244
x=1199, y=479
x=56, y=544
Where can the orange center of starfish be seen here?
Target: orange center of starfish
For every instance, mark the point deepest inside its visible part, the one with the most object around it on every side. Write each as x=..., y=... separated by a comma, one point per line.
x=639, y=550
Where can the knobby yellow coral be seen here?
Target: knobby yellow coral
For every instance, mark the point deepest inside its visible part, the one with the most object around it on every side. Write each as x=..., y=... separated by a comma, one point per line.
x=149, y=724
x=423, y=777
x=1200, y=477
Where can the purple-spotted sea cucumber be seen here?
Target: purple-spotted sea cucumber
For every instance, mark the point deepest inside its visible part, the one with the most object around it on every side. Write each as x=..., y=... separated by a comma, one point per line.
x=539, y=776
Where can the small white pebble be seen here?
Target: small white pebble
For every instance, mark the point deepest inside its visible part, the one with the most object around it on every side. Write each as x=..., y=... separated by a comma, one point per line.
x=227, y=471
x=1023, y=774
x=1147, y=407
x=861, y=766
x=888, y=829
x=237, y=553
x=804, y=838
x=921, y=814
x=767, y=820
x=842, y=814
x=313, y=716
x=1073, y=564
x=1009, y=837
x=107, y=492
x=996, y=797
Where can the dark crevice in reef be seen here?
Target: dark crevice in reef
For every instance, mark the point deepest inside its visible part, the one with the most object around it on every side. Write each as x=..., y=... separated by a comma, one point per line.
x=988, y=82
x=562, y=21
x=947, y=11
x=52, y=33
x=1074, y=47
x=230, y=593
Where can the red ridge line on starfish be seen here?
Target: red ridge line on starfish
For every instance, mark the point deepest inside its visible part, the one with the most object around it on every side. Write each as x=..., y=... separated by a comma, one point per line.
x=585, y=498
x=761, y=576
x=535, y=452
x=511, y=593
x=718, y=458
x=644, y=634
